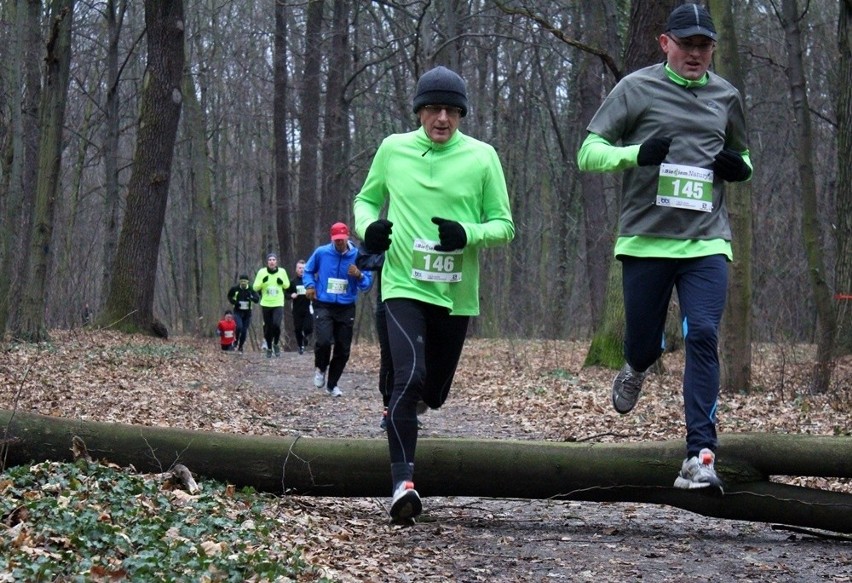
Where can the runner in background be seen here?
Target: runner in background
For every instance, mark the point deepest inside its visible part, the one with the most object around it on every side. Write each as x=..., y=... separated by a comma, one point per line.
x=272, y=283
x=332, y=282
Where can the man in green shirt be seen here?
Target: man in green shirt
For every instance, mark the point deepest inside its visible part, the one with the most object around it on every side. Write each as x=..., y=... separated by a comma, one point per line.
x=446, y=198
x=271, y=282
x=678, y=133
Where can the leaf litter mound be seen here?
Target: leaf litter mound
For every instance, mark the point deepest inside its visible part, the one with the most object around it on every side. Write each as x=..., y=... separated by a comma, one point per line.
x=519, y=389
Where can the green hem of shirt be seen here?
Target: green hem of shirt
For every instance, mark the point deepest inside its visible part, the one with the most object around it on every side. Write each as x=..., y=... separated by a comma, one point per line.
x=644, y=246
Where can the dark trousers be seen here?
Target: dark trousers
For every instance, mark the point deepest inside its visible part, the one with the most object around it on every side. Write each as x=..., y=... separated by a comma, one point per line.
x=272, y=325
x=243, y=320
x=303, y=325
x=425, y=343
x=333, y=323
x=385, y=360
x=701, y=285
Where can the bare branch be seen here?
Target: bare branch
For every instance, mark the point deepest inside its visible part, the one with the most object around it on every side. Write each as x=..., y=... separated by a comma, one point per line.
x=608, y=61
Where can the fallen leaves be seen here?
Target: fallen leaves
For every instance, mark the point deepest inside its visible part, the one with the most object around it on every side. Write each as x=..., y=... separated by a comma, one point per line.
x=521, y=389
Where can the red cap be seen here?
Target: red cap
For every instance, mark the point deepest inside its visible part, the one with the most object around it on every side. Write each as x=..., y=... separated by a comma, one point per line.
x=339, y=231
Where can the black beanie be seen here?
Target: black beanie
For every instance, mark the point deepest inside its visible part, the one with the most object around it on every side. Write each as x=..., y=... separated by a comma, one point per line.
x=440, y=86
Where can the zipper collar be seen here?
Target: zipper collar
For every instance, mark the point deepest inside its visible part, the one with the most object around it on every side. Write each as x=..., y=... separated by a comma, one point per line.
x=684, y=82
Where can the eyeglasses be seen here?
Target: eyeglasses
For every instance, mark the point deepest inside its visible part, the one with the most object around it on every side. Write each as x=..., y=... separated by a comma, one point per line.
x=437, y=109
x=689, y=47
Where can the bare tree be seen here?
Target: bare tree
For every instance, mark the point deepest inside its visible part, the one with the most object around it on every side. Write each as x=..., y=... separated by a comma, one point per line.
x=606, y=347
x=844, y=182
x=599, y=189
x=826, y=323
x=285, y=206
x=736, y=334
x=114, y=12
x=30, y=325
x=204, y=254
x=20, y=158
x=335, y=194
x=130, y=303
x=312, y=210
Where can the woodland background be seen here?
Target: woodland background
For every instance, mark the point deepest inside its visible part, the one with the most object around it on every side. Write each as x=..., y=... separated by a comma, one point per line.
x=277, y=108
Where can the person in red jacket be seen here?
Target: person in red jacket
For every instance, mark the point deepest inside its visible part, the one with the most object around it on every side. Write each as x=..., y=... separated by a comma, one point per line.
x=227, y=330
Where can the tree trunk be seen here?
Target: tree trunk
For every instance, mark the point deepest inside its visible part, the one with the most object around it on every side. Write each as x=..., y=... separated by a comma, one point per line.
x=335, y=195
x=636, y=472
x=843, y=283
x=607, y=346
x=208, y=294
x=31, y=325
x=811, y=231
x=647, y=21
x=600, y=189
x=643, y=49
x=286, y=208
x=114, y=15
x=130, y=304
x=314, y=218
x=22, y=160
x=736, y=334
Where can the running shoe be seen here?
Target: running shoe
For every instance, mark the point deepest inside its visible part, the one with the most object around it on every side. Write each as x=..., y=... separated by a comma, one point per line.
x=625, y=389
x=406, y=504
x=319, y=379
x=698, y=472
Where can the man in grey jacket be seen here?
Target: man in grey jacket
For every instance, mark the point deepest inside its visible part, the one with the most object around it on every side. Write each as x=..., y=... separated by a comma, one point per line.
x=678, y=132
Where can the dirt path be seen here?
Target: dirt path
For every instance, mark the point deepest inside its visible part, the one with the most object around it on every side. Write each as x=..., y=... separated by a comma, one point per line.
x=473, y=539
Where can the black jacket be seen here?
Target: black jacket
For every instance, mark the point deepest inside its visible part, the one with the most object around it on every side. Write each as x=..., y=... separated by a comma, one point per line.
x=241, y=298
x=301, y=304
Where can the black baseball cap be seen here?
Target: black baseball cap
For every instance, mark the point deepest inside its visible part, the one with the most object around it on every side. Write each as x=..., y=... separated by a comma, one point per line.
x=690, y=20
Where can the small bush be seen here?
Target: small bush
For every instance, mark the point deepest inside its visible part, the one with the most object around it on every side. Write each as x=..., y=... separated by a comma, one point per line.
x=91, y=522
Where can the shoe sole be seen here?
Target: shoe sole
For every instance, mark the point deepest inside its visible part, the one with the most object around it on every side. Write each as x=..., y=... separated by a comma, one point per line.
x=407, y=507
x=615, y=405
x=620, y=411
x=685, y=484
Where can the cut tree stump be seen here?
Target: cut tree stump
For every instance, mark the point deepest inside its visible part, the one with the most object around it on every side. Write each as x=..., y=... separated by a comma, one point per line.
x=625, y=472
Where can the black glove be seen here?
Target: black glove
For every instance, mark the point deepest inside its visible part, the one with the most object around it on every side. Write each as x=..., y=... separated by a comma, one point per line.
x=451, y=233
x=280, y=282
x=265, y=279
x=730, y=166
x=652, y=152
x=377, y=236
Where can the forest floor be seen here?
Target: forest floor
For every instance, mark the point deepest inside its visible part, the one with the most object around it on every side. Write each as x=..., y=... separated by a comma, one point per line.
x=504, y=390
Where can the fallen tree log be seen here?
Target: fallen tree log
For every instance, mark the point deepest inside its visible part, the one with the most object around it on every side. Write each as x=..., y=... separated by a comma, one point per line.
x=626, y=472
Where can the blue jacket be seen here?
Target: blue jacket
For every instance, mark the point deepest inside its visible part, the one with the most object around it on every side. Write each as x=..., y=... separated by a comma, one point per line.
x=326, y=271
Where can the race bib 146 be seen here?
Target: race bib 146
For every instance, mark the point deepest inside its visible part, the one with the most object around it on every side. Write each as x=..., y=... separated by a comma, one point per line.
x=430, y=265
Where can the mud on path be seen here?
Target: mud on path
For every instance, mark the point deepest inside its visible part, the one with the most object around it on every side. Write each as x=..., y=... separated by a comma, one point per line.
x=477, y=539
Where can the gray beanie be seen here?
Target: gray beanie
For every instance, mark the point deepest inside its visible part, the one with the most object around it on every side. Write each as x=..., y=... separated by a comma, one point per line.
x=440, y=86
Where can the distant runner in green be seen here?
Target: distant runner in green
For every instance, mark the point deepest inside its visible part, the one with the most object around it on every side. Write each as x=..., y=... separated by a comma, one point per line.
x=271, y=282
